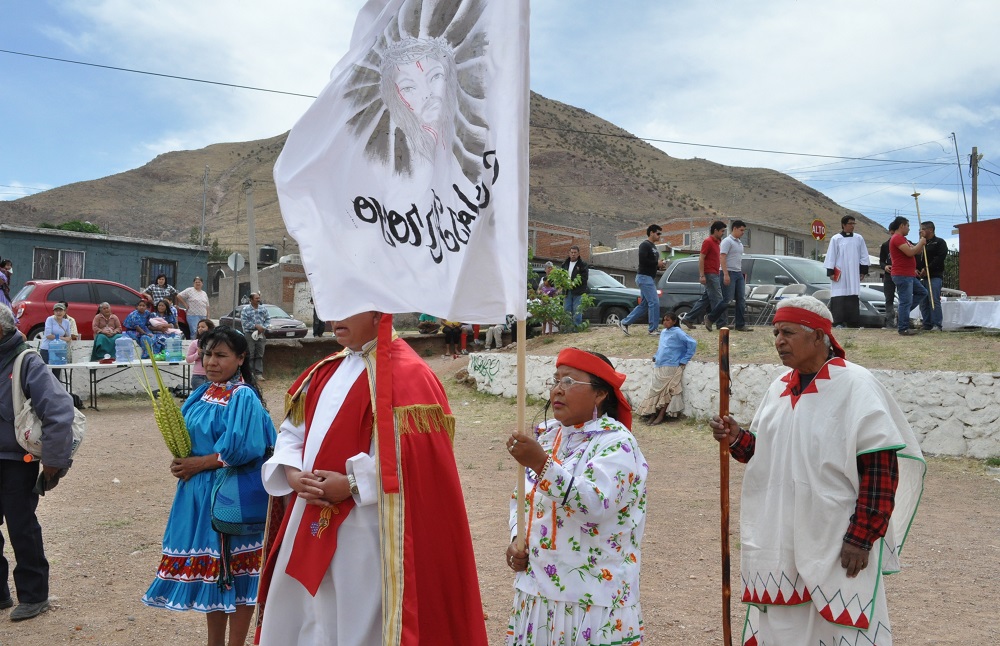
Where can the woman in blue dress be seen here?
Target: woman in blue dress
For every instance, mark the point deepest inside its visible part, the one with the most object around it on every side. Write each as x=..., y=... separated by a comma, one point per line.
x=229, y=426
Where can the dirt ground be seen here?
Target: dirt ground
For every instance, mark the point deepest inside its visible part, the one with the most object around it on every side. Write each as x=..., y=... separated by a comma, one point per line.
x=104, y=522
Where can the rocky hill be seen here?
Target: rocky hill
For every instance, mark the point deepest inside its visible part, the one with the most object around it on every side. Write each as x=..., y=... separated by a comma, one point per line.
x=585, y=172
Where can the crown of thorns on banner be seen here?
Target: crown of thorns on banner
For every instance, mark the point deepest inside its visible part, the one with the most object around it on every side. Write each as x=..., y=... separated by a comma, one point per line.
x=396, y=133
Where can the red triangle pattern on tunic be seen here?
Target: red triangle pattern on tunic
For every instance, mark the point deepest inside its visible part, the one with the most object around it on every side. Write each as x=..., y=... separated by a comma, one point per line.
x=751, y=642
x=792, y=380
x=845, y=618
x=751, y=596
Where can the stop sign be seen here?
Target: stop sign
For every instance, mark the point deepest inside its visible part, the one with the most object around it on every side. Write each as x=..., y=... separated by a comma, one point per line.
x=818, y=229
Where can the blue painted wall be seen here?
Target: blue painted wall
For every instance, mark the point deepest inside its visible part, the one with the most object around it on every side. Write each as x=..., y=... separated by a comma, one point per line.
x=106, y=257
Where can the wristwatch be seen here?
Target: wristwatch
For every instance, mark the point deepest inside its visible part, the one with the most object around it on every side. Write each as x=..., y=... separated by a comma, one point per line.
x=353, y=484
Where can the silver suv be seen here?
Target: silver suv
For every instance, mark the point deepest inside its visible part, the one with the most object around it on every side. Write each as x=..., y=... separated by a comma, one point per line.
x=680, y=289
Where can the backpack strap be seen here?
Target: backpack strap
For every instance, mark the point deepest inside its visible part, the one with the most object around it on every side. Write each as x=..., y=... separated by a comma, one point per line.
x=17, y=393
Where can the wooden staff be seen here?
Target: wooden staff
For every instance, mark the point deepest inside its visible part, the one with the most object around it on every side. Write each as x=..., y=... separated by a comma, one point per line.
x=724, y=392
x=522, y=337
x=927, y=266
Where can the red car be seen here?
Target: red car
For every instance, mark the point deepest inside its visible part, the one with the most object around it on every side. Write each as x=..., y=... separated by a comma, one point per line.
x=33, y=304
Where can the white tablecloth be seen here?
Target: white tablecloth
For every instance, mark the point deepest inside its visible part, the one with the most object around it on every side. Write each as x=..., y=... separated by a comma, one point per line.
x=959, y=314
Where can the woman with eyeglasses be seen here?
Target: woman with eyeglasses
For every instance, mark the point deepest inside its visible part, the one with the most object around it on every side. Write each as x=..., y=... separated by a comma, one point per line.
x=578, y=580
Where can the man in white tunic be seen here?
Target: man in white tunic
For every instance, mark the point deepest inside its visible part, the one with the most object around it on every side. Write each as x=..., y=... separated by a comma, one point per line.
x=834, y=474
x=846, y=262
x=351, y=564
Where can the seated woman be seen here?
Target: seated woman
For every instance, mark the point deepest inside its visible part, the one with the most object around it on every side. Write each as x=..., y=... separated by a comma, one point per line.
x=586, y=480
x=74, y=333
x=107, y=329
x=452, y=331
x=57, y=326
x=163, y=319
x=665, y=398
x=136, y=327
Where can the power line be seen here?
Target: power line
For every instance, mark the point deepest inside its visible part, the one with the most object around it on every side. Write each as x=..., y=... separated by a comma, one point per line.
x=737, y=148
x=582, y=132
x=841, y=169
x=870, y=160
x=872, y=156
x=169, y=76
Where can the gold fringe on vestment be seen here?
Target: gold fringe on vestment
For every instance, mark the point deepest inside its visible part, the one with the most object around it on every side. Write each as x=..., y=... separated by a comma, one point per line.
x=423, y=418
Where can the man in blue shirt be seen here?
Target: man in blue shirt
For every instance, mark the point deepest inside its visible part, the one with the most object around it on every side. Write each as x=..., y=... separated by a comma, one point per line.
x=255, y=321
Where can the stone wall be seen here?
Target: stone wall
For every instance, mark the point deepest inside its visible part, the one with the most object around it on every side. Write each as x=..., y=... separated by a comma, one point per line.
x=952, y=413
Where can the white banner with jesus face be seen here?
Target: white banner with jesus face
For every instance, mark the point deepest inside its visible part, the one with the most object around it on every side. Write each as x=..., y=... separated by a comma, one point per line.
x=406, y=182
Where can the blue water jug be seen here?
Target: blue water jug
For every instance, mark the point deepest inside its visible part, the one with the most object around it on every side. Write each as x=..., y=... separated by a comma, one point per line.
x=174, y=350
x=57, y=352
x=124, y=350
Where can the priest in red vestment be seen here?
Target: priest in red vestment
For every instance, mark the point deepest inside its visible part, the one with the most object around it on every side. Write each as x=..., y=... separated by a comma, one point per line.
x=372, y=546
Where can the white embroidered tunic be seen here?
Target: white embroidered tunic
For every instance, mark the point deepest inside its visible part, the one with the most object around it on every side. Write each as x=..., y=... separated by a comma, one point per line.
x=801, y=487
x=586, y=516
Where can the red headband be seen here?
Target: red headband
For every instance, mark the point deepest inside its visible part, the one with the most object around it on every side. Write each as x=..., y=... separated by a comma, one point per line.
x=594, y=365
x=809, y=319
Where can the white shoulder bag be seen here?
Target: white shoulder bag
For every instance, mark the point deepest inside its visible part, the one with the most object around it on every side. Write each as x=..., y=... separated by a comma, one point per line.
x=27, y=426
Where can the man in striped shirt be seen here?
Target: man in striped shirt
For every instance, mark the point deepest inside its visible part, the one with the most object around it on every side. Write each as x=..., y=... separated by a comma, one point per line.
x=255, y=321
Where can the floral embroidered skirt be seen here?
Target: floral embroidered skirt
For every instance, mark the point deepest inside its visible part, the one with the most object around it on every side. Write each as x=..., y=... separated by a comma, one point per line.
x=536, y=621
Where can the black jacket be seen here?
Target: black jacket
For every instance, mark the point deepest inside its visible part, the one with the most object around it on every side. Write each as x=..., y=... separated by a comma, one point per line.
x=580, y=269
x=937, y=251
x=883, y=255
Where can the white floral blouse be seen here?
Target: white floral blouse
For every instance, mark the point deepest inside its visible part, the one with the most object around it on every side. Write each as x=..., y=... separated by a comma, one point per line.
x=587, y=515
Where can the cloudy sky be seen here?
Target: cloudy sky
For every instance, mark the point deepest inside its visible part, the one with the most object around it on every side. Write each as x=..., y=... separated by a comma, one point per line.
x=806, y=88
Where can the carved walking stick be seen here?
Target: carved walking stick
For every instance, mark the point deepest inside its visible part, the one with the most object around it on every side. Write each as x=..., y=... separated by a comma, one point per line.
x=724, y=392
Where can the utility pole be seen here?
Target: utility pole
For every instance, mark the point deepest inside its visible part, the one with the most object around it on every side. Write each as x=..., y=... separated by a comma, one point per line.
x=974, y=168
x=252, y=234
x=961, y=176
x=204, y=200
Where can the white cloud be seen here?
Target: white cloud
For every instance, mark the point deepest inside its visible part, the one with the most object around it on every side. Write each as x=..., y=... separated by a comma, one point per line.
x=15, y=189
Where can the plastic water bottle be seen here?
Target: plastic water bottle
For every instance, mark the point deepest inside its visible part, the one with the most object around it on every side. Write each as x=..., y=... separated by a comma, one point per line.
x=174, y=349
x=57, y=352
x=124, y=350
